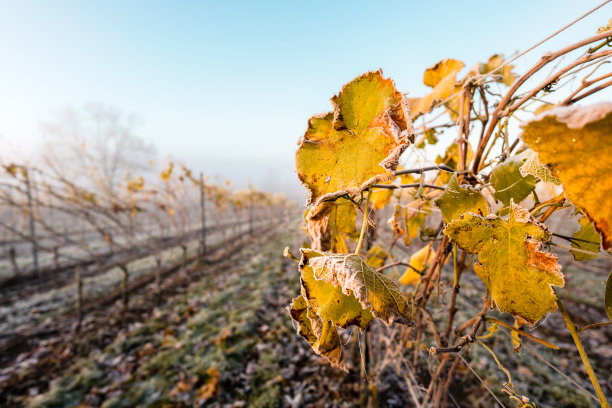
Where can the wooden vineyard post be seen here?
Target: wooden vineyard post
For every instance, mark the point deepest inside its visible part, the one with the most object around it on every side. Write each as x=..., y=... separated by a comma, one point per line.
x=13, y=258
x=79, y=297
x=184, y=258
x=32, y=224
x=158, y=262
x=55, y=257
x=124, y=286
x=203, y=216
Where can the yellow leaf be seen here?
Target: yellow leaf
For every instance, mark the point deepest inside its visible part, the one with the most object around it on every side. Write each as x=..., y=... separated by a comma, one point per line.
x=135, y=185
x=330, y=224
x=451, y=159
x=418, y=262
x=381, y=197
x=440, y=72
x=533, y=166
x=510, y=263
x=543, y=108
x=329, y=301
x=211, y=386
x=576, y=144
x=408, y=220
x=420, y=259
x=457, y=200
x=398, y=220
x=321, y=335
x=328, y=342
x=376, y=257
x=165, y=175
x=346, y=151
x=442, y=78
x=509, y=183
x=298, y=312
x=416, y=212
x=588, y=233
x=410, y=277
x=494, y=62
x=373, y=290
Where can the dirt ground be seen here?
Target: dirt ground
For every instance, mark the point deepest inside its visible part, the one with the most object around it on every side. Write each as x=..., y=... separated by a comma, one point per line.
x=219, y=336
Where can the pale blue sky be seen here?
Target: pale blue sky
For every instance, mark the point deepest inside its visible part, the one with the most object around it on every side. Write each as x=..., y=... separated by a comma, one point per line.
x=222, y=83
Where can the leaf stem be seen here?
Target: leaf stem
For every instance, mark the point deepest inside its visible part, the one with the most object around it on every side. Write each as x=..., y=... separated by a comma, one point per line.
x=573, y=239
x=585, y=359
x=499, y=364
x=411, y=185
x=442, y=167
x=521, y=332
x=364, y=224
x=593, y=326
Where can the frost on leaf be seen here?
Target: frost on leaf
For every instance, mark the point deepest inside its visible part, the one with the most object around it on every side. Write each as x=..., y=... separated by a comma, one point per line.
x=322, y=335
x=359, y=143
x=329, y=301
x=510, y=263
x=509, y=183
x=457, y=200
x=533, y=166
x=586, y=232
x=576, y=144
x=373, y=290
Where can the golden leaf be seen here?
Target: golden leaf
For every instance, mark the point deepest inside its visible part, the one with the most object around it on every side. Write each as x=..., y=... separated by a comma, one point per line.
x=533, y=166
x=509, y=183
x=357, y=145
x=588, y=233
x=373, y=290
x=381, y=197
x=457, y=200
x=135, y=185
x=321, y=335
x=165, y=175
x=330, y=224
x=510, y=263
x=329, y=301
x=576, y=143
x=410, y=277
x=376, y=257
x=442, y=78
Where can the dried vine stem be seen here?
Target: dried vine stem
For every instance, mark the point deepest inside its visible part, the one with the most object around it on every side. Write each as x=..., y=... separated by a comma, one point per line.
x=591, y=92
x=585, y=84
x=551, y=79
x=544, y=60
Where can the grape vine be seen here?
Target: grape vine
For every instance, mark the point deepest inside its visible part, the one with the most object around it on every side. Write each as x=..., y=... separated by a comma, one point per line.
x=521, y=165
